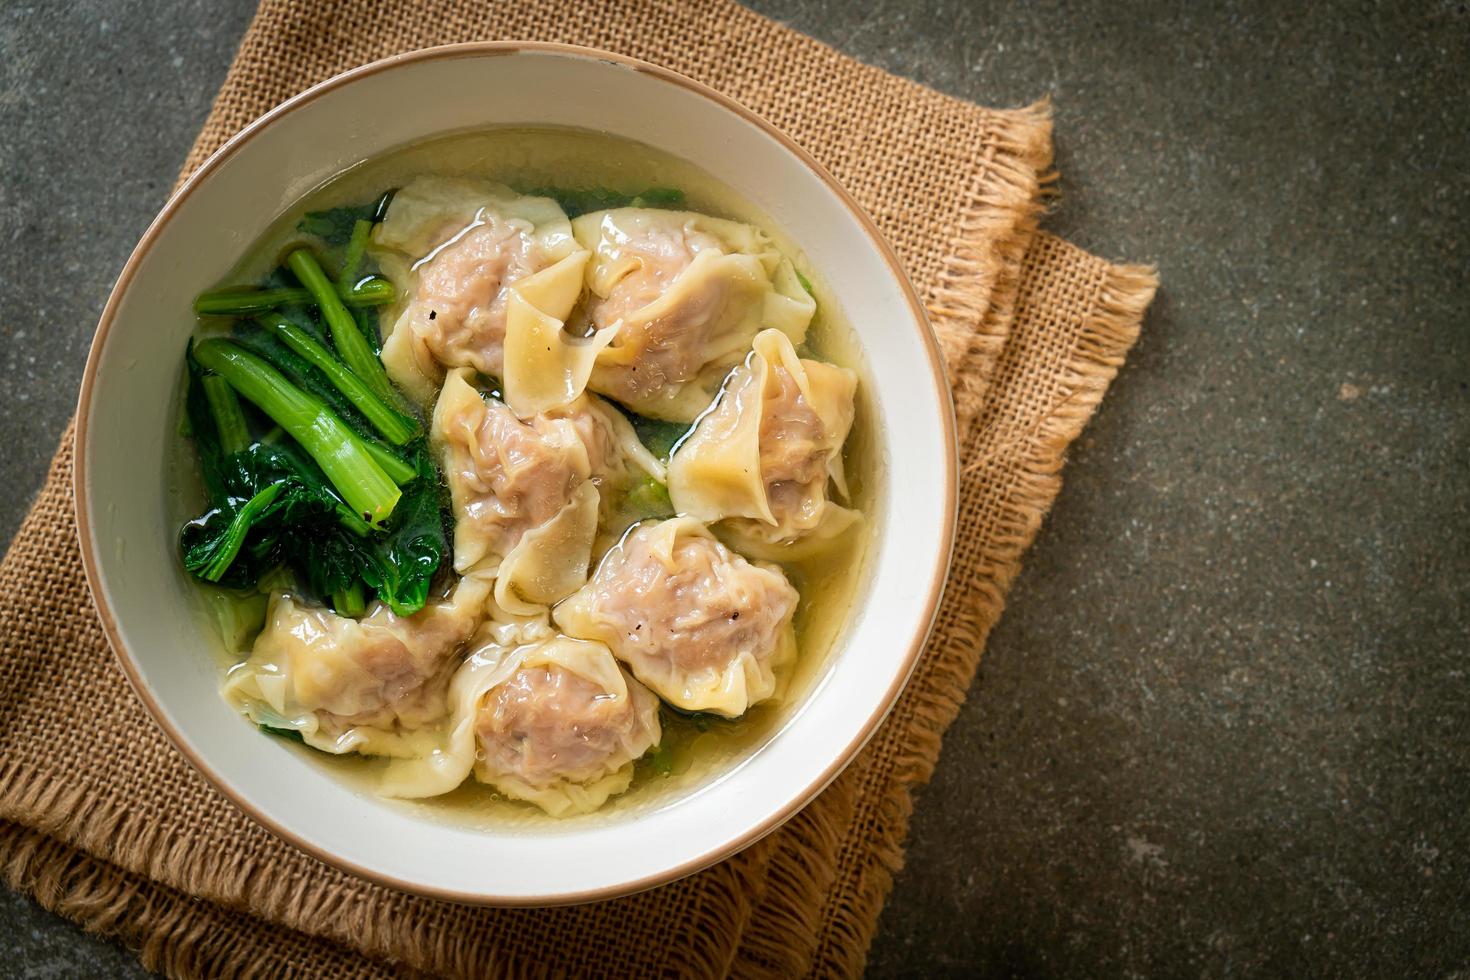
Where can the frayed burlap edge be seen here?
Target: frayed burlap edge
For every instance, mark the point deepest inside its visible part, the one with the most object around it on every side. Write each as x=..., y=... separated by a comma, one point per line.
x=170, y=933
x=973, y=304
x=1123, y=294
x=972, y=309
x=99, y=831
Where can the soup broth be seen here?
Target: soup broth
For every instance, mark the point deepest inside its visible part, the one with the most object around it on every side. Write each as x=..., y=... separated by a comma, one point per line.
x=695, y=748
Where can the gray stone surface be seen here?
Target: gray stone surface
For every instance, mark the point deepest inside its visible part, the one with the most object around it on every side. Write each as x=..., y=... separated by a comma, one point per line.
x=1223, y=727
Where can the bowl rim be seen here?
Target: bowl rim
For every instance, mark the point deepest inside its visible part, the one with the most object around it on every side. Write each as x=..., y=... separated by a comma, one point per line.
x=473, y=49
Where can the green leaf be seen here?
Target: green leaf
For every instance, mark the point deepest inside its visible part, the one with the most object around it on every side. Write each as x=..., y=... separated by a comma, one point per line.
x=334, y=226
x=649, y=498
x=404, y=562
x=367, y=323
x=658, y=436
x=289, y=734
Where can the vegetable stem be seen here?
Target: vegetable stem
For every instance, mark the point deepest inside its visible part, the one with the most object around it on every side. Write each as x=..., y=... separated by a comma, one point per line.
x=229, y=420
x=234, y=536
x=343, y=457
x=351, y=344
x=356, y=246
x=370, y=291
x=244, y=301
x=352, y=522
x=395, y=427
x=350, y=601
x=398, y=471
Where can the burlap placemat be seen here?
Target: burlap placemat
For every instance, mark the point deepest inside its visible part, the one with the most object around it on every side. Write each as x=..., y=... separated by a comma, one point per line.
x=102, y=821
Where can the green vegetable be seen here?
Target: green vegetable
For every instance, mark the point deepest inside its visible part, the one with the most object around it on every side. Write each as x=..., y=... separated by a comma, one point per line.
x=244, y=301
x=660, y=437
x=395, y=466
x=334, y=552
x=212, y=562
x=266, y=345
x=289, y=734
x=229, y=420
x=347, y=335
x=404, y=562
x=399, y=564
x=649, y=498
x=805, y=284
x=321, y=511
x=335, y=225
x=370, y=291
x=341, y=455
x=396, y=427
x=242, y=550
x=266, y=462
x=367, y=325
x=277, y=499
x=330, y=562
x=348, y=226
x=270, y=348
x=356, y=246
x=349, y=601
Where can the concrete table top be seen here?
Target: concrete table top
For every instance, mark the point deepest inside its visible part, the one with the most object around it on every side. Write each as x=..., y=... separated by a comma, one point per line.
x=1224, y=726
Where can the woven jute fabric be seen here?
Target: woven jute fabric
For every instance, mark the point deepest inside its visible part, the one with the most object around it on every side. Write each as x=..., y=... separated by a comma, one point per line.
x=103, y=821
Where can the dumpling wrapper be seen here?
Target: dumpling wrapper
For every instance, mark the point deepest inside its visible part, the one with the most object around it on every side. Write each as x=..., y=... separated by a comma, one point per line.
x=618, y=458
x=547, y=368
x=681, y=295
x=699, y=624
x=528, y=495
x=506, y=478
x=761, y=458
x=541, y=717
x=479, y=267
x=374, y=686
x=550, y=561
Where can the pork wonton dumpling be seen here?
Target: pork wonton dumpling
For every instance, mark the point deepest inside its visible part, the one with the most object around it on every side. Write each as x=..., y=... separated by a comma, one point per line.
x=704, y=628
x=542, y=718
x=527, y=494
x=761, y=459
x=678, y=297
x=477, y=264
x=525, y=508
x=369, y=685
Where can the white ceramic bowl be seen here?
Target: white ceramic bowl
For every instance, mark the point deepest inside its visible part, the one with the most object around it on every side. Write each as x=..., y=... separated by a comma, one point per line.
x=126, y=422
